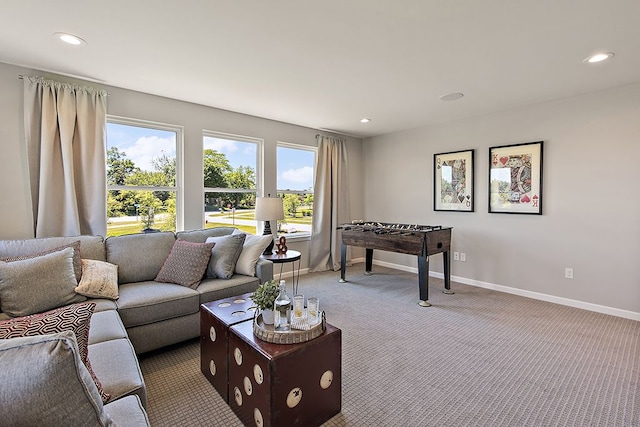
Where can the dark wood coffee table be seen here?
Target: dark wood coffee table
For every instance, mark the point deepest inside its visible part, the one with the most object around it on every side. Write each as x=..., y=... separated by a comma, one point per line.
x=268, y=384
x=284, y=384
x=215, y=319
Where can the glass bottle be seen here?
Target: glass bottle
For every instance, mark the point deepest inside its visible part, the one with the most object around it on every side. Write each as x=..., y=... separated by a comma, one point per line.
x=282, y=309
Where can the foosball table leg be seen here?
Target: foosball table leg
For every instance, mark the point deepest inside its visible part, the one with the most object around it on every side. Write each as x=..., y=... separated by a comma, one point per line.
x=343, y=263
x=368, y=261
x=447, y=273
x=423, y=281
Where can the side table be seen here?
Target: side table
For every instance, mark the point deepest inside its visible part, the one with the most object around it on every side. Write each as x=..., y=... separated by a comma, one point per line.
x=290, y=256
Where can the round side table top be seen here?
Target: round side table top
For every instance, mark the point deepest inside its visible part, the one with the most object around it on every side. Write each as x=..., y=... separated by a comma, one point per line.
x=289, y=256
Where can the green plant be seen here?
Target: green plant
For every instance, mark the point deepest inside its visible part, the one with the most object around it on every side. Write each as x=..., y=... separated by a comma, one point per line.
x=265, y=295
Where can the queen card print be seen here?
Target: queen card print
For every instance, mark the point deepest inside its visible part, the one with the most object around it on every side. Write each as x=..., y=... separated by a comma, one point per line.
x=515, y=178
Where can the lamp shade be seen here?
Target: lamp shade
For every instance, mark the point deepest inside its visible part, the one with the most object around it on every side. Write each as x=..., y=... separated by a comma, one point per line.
x=269, y=208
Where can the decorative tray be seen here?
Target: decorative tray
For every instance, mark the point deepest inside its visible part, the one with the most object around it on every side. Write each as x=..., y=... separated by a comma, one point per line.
x=293, y=336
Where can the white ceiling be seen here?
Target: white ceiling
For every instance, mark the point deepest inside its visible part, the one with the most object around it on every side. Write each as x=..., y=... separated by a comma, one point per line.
x=326, y=64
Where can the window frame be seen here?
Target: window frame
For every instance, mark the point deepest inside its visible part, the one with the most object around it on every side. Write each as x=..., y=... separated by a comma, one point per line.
x=179, y=185
x=279, y=192
x=259, y=168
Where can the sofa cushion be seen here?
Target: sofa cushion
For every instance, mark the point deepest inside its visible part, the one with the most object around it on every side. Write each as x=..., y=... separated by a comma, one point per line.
x=105, y=326
x=116, y=363
x=139, y=257
x=215, y=289
x=199, y=236
x=44, y=382
x=91, y=247
x=224, y=255
x=37, y=284
x=186, y=263
x=99, y=279
x=142, y=303
x=103, y=304
x=127, y=411
x=252, y=248
x=75, y=318
x=77, y=262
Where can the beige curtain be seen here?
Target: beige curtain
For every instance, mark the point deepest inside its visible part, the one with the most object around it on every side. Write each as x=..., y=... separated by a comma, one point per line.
x=330, y=204
x=65, y=127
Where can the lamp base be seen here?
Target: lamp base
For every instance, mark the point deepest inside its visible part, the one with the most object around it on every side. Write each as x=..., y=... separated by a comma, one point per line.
x=267, y=230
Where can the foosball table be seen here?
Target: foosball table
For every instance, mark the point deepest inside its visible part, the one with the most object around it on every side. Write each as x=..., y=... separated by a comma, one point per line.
x=419, y=240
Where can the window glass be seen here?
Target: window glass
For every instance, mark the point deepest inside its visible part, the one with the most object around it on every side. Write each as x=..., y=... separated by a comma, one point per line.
x=141, y=176
x=230, y=165
x=296, y=174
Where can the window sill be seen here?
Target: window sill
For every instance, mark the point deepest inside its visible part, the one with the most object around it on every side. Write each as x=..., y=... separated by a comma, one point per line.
x=295, y=237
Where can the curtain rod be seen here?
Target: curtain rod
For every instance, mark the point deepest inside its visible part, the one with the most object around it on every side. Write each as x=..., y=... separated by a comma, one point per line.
x=21, y=77
x=339, y=133
x=331, y=137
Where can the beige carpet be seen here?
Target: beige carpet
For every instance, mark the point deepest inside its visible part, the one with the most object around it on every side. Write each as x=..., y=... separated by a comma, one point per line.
x=475, y=358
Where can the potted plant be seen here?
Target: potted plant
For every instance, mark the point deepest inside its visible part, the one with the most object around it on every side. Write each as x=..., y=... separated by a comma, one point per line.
x=264, y=297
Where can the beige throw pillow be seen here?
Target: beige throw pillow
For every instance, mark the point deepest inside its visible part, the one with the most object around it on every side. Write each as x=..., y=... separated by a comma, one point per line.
x=99, y=280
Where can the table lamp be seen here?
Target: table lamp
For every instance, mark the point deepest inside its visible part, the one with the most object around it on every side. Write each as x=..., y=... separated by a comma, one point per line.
x=269, y=209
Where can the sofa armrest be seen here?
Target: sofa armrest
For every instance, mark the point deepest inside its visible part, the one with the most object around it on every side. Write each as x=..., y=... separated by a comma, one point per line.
x=264, y=270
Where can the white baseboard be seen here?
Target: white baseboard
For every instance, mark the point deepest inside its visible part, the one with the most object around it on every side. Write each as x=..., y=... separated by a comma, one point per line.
x=515, y=291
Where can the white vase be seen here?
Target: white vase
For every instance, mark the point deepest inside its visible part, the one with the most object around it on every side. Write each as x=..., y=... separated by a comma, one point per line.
x=267, y=317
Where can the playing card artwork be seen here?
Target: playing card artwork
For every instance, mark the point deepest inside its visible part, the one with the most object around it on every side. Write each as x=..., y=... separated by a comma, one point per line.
x=453, y=181
x=515, y=181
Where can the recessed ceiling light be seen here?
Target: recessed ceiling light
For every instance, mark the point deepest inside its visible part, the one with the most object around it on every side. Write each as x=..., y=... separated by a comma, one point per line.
x=453, y=96
x=598, y=57
x=70, y=38
x=365, y=120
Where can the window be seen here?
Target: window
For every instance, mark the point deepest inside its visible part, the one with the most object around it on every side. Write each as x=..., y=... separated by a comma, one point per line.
x=296, y=174
x=230, y=165
x=143, y=178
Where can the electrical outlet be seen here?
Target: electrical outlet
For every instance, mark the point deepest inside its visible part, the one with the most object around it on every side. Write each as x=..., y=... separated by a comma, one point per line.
x=568, y=273
x=456, y=256
x=463, y=256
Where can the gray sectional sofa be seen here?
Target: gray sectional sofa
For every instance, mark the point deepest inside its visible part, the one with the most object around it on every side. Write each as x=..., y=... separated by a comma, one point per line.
x=147, y=315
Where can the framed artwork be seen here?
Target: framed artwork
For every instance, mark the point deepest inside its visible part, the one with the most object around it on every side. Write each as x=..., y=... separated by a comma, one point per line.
x=453, y=181
x=515, y=178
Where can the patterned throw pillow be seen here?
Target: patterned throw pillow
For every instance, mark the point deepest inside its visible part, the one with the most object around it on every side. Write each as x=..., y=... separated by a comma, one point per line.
x=186, y=263
x=77, y=266
x=38, y=284
x=99, y=280
x=75, y=318
x=224, y=255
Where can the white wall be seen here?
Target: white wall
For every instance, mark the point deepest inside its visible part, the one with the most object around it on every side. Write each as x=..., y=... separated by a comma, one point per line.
x=591, y=219
x=591, y=198
x=14, y=190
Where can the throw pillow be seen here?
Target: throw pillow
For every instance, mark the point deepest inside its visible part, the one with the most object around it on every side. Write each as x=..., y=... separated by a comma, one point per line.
x=251, y=250
x=77, y=266
x=38, y=284
x=75, y=318
x=99, y=280
x=186, y=263
x=224, y=255
x=44, y=382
